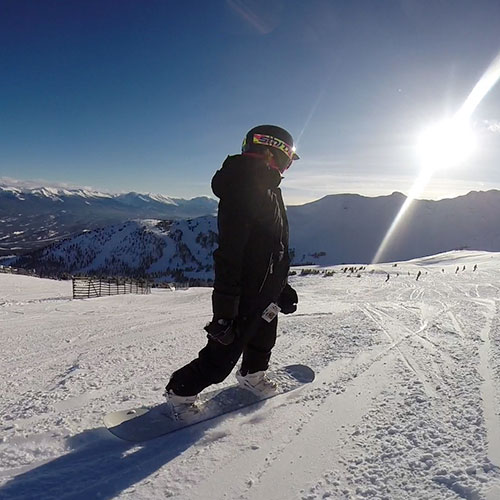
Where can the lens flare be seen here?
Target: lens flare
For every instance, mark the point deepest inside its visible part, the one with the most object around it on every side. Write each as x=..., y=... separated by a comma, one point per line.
x=444, y=145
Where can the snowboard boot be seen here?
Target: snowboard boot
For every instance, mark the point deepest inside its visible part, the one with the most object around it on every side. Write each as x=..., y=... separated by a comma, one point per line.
x=257, y=382
x=182, y=407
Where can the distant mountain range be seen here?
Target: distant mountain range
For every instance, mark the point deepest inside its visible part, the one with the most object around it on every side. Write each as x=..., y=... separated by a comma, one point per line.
x=31, y=218
x=349, y=228
x=337, y=229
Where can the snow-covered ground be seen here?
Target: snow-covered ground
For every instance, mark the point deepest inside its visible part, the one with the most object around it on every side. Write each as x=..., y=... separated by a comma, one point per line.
x=405, y=403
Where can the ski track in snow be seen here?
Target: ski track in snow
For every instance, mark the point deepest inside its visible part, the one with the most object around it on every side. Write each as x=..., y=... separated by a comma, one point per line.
x=405, y=404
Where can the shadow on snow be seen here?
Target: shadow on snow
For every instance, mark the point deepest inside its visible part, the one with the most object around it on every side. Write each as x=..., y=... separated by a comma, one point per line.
x=100, y=466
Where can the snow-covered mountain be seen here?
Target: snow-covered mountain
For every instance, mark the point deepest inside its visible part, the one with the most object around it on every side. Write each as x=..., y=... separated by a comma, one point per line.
x=349, y=228
x=33, y=217
x=159, y=250
x=334, y=230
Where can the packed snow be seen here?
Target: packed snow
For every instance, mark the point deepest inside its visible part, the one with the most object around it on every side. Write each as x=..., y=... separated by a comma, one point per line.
x=405, y=404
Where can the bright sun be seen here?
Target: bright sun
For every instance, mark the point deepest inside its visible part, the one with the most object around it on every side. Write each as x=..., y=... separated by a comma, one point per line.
x=445, y=144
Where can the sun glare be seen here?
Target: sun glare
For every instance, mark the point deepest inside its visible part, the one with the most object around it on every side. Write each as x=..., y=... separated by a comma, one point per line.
x=446, y=144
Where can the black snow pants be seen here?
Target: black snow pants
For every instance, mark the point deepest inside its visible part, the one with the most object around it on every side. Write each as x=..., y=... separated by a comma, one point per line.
x=215, y=361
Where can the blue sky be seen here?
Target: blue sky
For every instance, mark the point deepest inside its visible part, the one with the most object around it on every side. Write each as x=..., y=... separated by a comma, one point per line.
x=151, y=96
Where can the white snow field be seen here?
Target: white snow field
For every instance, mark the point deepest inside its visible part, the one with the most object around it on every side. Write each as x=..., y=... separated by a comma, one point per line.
x=405, y=404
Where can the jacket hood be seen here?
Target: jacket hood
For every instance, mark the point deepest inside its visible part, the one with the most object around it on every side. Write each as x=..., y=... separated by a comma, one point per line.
x=241, y=172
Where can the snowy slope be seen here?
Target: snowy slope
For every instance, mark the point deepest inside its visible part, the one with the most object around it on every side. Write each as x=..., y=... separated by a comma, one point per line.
x=405, y=404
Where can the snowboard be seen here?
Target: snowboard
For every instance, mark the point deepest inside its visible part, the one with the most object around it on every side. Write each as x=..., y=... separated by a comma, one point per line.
x=145, y=423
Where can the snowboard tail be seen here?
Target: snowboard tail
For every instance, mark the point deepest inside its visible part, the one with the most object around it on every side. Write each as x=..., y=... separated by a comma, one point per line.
x=145, y=423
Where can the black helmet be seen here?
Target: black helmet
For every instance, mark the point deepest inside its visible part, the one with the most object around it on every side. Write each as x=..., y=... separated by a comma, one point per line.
x=276, y=139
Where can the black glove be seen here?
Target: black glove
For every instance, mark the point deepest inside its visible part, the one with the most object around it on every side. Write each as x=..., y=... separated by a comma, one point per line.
x=288, y=300
x=221, y=330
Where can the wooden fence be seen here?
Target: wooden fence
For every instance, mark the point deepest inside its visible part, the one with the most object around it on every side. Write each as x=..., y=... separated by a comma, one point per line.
x=86, y=288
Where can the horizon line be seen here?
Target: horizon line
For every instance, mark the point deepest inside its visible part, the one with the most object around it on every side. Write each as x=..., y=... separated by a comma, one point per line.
x=8, y=182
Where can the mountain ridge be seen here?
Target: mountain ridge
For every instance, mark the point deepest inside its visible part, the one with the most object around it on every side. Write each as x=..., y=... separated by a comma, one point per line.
x=33, y=217
x=337, y=229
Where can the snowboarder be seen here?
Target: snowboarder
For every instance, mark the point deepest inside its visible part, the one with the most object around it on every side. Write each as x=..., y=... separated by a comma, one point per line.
x=251, y=270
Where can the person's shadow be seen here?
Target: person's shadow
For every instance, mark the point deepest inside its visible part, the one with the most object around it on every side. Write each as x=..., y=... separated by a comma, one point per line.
x=101, y=467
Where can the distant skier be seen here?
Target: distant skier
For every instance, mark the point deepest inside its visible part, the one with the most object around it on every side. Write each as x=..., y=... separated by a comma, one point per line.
x=475, y=267
x=251, y=270
x=418, y=275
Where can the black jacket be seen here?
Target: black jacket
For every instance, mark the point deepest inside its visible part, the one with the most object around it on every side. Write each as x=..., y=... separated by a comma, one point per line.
x=251, y=261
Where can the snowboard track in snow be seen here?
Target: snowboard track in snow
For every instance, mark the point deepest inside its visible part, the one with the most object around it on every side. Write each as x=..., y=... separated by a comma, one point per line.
x=405, y=403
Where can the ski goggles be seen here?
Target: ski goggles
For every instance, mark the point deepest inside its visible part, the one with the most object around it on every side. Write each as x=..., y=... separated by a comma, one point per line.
x=274, y=142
